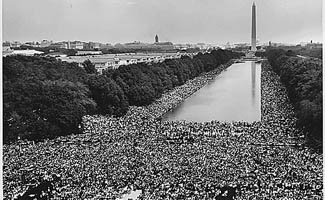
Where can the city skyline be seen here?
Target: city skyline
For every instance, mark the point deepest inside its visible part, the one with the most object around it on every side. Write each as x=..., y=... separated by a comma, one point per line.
x=176, y=21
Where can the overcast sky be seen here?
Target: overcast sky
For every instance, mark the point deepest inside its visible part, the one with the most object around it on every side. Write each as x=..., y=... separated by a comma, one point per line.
x=178, y=21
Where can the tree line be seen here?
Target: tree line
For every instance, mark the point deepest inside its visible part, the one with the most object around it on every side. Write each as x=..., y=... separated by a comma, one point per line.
x=44, y=97
x=303, y=80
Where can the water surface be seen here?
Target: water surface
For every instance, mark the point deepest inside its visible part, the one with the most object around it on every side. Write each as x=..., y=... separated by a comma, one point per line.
x=234, y=95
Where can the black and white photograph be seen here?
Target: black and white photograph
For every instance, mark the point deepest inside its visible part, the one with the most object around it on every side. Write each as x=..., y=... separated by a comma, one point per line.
x=162, y=99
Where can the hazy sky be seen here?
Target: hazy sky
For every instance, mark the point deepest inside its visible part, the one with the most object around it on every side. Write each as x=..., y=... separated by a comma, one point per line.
x=178, y=21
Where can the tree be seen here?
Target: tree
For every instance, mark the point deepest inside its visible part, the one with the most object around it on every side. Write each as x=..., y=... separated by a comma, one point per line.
x=89, y=67
x=109, y=97
x=303, y=81
x=44, y=109
x=141, y=95
x=45, y=97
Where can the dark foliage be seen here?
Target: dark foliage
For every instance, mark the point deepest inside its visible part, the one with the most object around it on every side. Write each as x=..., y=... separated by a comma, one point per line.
x=143, y=83
x=316, y=53
x=303, y=80
x=44, y=97
x=108, y=95
x=303, y=51
x=260, y=54
x=89, y=67
x=37, y=109
x=21, y=68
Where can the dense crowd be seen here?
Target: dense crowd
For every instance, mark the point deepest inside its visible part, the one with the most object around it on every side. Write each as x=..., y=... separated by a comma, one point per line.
x=173, y=160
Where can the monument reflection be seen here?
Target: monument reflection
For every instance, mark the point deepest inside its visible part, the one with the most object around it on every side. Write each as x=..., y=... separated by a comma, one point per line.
x=234, y=95
x=253, y=78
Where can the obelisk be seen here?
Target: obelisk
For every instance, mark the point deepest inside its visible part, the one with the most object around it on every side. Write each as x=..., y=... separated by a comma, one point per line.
x=253, y=28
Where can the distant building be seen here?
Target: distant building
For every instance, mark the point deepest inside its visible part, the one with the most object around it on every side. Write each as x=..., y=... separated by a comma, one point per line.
x=241, y=45
x=6, y=44
x=6, y=49
x=163, y=45
x=14, y=44
x=118, y=46
x=106, y=46
x=45, y=43
x=303, y=44
x=61, y=45
x=229, y=46
x=314, y=45
x=114, y=61
x=188, y=46
x=56, y=55
x=76, y=45
x=91, y=46
x=201, y=45
x=94, y=45
x=24, y=53
x=156, y=39
x=311, y=45
x=87, y=45
x=64, y=45
x=32, y=44
x=181, y=46
x=136, y=45
x=79, y=53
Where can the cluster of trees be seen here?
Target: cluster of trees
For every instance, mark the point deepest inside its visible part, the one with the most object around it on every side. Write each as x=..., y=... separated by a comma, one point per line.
x=294, y=51
x=303, y=80
x=303, y=51
x=142, y=83
x=44, y=97
x=260, y=54
x=311, y=52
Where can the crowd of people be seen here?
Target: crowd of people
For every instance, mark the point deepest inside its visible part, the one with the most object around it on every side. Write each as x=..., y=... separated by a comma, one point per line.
x=172, y=160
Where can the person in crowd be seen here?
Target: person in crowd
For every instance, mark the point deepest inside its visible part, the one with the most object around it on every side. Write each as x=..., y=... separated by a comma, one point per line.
x=172, y=159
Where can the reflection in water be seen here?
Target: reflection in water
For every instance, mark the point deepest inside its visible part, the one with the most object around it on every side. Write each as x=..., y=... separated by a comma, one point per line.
x=253, y=70
x=232, y=96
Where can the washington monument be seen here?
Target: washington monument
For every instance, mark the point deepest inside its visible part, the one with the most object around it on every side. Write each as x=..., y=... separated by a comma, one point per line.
x=253, y=28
